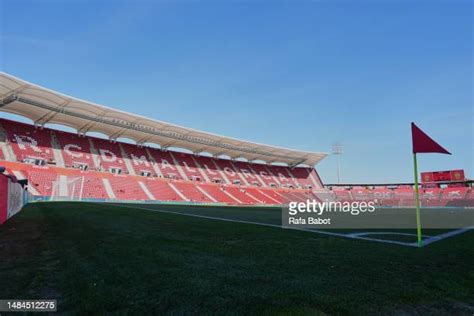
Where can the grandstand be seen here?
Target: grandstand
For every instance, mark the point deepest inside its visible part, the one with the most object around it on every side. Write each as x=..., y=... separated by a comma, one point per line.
x=402, y=195
x=167, y=162
x=236, y=172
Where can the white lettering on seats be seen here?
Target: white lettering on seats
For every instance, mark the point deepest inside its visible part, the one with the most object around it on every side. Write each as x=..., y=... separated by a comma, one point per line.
x=282, y=177
x=209, y=170
x=247, y=173
x=107, y=155
x=139, y=160
x=24, y=141
x=75, y=153
x=165, y=164
x=229, y=171
x=187, y=167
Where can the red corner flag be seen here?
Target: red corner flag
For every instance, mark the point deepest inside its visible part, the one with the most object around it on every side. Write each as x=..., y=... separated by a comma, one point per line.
x=422, y=143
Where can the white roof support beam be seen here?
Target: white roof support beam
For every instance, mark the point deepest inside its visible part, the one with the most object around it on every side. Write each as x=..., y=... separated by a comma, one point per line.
x=118, y=133
x=169, y=144
x=49, y=116
x=144, y=140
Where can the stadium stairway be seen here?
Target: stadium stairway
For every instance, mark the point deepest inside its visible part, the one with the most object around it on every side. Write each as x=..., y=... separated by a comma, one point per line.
x=248, y=173
x=193, y=192
x=153, y=163
x=264, y=198
x=186, y=165
x=6, y=152
x=57, y=153
x=145, y=189
x=208, y=167
x=127, y=188
x=108, y=189
x=241, y=195
x=94, y=154
x=201, y=170
x=162, y=191
x=126, y=159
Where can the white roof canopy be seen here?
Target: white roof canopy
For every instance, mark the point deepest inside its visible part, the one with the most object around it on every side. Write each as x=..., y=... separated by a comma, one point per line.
x=44, y=106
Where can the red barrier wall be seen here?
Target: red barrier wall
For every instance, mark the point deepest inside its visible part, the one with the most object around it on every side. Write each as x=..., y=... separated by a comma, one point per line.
x=3, y=199
x=12, y=197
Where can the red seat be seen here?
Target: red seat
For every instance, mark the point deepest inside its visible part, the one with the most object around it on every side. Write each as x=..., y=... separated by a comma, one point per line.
x=191, y=191
x=127, y=188
x=218, y=192
x=162, y=191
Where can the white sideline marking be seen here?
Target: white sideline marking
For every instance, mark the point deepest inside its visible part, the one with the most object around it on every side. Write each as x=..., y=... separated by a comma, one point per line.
x=387, y=233
x=436, y=238
x=349, y=236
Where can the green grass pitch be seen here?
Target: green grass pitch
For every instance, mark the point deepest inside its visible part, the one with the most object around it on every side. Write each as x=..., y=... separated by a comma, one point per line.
x=101, y=258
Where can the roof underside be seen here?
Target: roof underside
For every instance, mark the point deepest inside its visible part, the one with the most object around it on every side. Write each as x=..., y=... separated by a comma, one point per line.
x=45, y=106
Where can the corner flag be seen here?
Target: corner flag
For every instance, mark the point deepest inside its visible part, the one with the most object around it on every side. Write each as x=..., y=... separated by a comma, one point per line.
x=422, y=143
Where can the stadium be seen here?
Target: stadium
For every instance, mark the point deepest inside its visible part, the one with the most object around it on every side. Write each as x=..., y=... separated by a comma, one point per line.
x=172, y=158
x=249, y=186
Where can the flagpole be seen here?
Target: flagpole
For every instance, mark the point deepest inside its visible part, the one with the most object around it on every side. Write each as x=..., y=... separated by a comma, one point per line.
x=417, y=195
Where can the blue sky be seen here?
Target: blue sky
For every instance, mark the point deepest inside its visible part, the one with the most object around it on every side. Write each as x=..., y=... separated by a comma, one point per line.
x=301, y=74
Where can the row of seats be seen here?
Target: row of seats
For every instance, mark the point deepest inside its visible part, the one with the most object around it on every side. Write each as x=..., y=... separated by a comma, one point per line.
x=404, y=195
x=93, y=188
x=93, y=185
x=125, y=189
x=163, y=191
x=46, y=181
x=43, y=181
